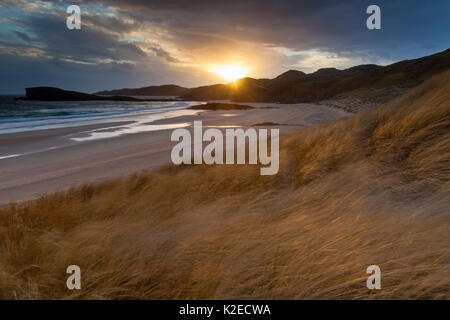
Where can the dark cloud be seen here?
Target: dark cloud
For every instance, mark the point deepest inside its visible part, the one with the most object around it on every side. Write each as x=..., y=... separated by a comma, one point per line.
x=332, y=25
x=126, y=42
x=23, y=36
x=89, y=44
x=109, y=23
x=160, y=52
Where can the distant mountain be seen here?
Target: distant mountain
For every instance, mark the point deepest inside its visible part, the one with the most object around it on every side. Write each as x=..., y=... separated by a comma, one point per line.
x=295, y=86
x=165, y=90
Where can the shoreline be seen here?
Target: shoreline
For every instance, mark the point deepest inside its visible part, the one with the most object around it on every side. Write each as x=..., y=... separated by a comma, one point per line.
x=31, y=175
x=20, y=142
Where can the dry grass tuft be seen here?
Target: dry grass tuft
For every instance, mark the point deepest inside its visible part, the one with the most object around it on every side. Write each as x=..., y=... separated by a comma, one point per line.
x=369, y=189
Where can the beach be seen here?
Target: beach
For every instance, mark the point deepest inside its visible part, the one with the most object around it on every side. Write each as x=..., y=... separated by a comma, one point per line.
x=54, y=160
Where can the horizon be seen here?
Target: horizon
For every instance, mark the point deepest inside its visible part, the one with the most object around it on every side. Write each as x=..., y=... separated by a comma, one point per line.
x=132, y=44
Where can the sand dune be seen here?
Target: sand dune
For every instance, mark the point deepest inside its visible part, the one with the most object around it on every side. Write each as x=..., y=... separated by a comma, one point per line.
x=32, y=175
x=369, y=189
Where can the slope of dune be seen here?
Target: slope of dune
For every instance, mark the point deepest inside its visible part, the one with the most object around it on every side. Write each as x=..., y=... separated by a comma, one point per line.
x=369, y=189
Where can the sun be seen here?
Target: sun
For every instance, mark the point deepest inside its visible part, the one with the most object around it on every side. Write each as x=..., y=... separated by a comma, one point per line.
x=230, y=72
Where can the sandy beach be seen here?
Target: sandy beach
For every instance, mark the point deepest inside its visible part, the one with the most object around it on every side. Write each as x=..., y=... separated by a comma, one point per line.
x=31, y=175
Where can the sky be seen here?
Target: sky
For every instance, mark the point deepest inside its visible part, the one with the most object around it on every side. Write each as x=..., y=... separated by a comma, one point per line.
x=136, y=43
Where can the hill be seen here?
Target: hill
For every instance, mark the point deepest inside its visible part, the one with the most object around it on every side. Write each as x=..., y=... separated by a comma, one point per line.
x=164, y=90
x=296, y=86
x=57, y=94
x=369, y=189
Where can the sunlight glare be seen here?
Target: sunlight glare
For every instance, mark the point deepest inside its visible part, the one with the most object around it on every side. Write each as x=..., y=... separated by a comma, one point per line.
x=230, y=72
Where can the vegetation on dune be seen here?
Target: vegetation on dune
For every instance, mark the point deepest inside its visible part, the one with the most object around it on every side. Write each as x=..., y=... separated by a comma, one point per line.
x=369, y=189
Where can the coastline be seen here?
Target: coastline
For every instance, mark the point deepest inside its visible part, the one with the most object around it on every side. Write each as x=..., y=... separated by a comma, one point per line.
x=31, y=175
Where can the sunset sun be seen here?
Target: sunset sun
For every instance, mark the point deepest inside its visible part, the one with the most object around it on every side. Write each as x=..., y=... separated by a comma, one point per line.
x=230, y=72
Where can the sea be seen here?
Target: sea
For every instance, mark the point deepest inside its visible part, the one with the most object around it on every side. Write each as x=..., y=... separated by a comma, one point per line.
x=122, y=117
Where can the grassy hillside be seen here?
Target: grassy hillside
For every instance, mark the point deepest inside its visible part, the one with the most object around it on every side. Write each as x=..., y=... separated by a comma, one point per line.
x=369, y=189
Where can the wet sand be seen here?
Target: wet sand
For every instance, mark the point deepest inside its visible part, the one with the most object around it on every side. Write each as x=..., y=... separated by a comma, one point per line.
x=29, y=176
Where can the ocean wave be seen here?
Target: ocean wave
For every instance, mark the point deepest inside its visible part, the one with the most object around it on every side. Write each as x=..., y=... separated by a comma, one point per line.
x=49, y=115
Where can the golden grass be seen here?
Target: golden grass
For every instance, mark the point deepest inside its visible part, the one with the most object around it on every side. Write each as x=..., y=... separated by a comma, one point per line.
x=369, y=189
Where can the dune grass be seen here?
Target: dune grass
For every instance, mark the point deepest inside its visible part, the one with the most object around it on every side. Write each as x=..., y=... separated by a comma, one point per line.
x=369, y=189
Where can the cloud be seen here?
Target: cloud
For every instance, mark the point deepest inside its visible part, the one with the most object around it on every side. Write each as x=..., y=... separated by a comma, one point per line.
x=160, y=52
x=331, y=25
x=155, y=42
x=90, y=44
